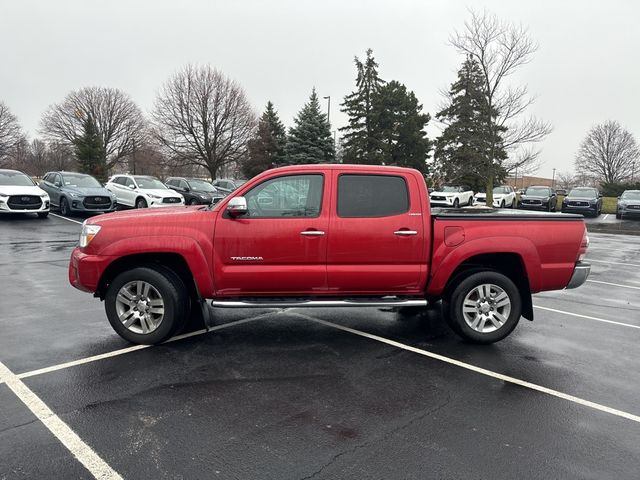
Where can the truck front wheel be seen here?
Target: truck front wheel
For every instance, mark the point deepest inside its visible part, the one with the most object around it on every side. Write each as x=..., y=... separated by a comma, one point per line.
x=147, y=305
x=485, y=307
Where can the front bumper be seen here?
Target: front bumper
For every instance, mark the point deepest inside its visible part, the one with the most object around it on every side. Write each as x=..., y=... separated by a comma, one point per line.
x=85, y=270
x=4, y=208
x=440, y=203
x=629, y=212
x=528, y=206
x=77, y=205
x=158, y=204
x=580, y=208
x=580, y=274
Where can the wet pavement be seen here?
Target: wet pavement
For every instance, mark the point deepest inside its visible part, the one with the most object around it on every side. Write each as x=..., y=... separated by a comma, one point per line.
x=290, y=394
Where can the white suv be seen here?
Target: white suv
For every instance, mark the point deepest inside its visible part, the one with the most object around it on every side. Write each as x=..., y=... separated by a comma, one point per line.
x=142, y=191
x=451, y=196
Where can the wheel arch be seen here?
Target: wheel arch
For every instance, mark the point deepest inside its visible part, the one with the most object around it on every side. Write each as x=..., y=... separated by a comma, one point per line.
x=509, y=264
x=166, y=260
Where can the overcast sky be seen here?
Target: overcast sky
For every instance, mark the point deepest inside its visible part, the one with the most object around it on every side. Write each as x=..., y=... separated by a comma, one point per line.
x=587, y=69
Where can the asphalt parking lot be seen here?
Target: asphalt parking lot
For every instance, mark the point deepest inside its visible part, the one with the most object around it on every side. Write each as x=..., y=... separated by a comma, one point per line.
x=314, y=393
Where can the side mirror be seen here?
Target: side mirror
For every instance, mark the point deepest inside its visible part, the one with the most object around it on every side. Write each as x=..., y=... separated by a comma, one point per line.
x=599, y=195
x=186, y=189
x=237, y=206
x=57, y=184
x=131, y=186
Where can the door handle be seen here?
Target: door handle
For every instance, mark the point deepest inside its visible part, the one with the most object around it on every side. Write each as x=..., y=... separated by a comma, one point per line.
x=312, y=233
x=405, y=232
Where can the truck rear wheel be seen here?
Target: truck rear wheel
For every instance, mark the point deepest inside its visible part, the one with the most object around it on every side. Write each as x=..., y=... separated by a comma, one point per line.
x=484, y=308
x=147, y=305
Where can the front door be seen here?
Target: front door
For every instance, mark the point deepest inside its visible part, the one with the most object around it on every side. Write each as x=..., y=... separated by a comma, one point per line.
x=378, y=244
x=280, y=245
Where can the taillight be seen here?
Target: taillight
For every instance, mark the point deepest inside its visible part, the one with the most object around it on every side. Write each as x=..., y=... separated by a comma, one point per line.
x=583, y=246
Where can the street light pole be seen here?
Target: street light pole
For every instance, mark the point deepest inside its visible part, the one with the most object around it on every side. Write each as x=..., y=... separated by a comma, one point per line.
x=553, y=181
x=328, y=99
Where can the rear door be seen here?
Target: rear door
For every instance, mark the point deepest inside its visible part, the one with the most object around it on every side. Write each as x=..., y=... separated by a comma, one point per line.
x=377, y=243
x=280, y=245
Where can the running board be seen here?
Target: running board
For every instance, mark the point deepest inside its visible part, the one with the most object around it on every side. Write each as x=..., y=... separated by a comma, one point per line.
x=302, y=303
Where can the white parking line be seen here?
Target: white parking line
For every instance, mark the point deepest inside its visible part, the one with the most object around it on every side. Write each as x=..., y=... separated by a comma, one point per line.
x=587, y=317
x=613, y=263
x=70, y=439
x=482, y=371
x=65, y=218
x=133, y=348
x=614, y=284
x=605, y=217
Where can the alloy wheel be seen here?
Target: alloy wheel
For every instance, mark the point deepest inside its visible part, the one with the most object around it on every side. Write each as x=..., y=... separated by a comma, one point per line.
x=140, y=307
x=486, y=308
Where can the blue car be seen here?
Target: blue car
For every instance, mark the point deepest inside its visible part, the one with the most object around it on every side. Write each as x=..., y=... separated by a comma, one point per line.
x=77, y=192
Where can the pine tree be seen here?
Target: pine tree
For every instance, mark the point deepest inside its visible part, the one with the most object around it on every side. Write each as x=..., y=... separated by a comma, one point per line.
x=90, y=151
x=310, y=140
x=267, y=147
x=464, y=149
x=361, y=142
x=400, y=124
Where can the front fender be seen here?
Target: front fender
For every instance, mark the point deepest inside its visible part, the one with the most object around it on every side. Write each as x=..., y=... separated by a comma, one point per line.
x=188, y=248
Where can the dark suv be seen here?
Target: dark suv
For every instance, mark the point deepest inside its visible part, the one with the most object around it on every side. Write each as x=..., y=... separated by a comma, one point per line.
x=77, y=192
x=585, y=200
x=539, y=198
x=195, y=190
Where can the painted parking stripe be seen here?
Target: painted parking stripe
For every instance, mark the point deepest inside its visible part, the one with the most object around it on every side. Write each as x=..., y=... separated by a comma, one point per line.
x=70, y=439
x=65, y=218
x=614, y=263
x=482, y=371
x=588, y=317
x=133, y=348
x=614, y=284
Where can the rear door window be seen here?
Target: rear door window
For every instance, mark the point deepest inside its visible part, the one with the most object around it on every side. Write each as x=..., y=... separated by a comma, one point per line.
x=372, y=196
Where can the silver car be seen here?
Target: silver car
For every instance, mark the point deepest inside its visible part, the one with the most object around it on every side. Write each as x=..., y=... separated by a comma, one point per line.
x=628, y=204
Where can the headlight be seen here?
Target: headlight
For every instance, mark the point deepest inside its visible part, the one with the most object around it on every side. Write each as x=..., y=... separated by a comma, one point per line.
x=88, y=234
x=44, y=196
x=155, y=197
x=74, y=195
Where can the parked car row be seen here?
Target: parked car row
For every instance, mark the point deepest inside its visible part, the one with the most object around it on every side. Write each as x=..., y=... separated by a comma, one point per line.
x=71, y=192
x=459, y=195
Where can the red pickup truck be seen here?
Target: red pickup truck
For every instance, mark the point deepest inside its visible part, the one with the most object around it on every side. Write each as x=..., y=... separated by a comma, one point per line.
x=326, y=235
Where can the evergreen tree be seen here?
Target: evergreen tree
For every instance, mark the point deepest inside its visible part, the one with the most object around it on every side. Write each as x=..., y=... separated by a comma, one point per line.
x=361, y=141
x=464, y=150
x=310, y=140
x=90, y=151
x=267, y=147
x=400, y=124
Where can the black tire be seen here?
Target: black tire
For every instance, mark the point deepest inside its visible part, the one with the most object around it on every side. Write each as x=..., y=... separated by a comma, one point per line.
x=470, y=202
x=173, y=294
x=456, y=317
x=193, y=201
x=43, y=214
x=502, y=204
x=456, y=203
x=141, y=203
x=619, y=216
x=64, y=207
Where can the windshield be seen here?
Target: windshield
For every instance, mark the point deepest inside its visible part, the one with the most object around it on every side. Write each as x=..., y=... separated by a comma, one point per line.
x=15, y=179
x=449, y=188
x=540, y=191
x=150, y=182
x=500, y=190
x=633, y=195
x=583, y=192
x=71, y=180
x=202, y=186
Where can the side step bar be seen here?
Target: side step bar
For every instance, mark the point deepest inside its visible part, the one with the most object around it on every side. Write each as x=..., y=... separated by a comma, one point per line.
x=306, y=303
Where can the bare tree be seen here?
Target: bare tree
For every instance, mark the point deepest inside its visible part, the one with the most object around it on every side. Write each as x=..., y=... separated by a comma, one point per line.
x=608, y=152
x=500, y=49
x=565, y=180
x=203, y=118
x=118, y=119
x=10, y=133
